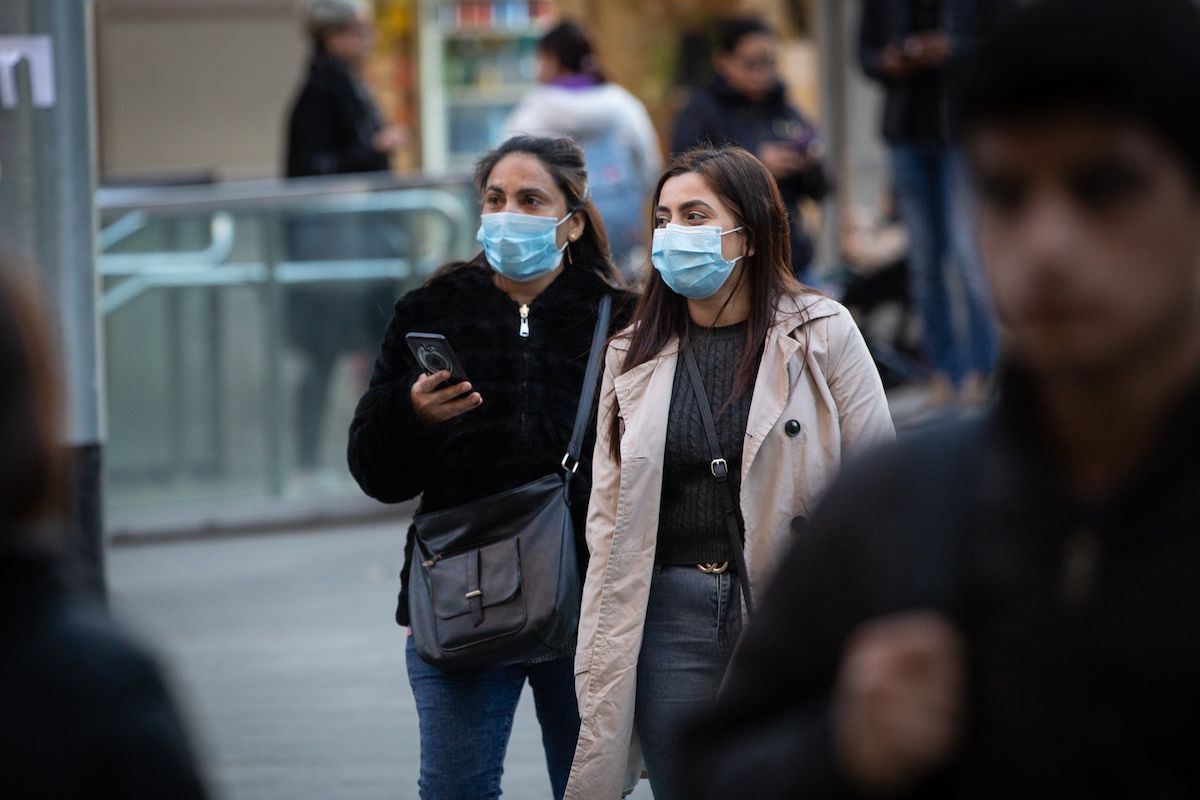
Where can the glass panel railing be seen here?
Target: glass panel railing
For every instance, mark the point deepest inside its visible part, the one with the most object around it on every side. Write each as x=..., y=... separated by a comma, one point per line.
x=240, y=324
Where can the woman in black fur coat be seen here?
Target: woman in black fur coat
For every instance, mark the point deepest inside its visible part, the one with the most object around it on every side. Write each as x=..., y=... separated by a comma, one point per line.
x=520, y=317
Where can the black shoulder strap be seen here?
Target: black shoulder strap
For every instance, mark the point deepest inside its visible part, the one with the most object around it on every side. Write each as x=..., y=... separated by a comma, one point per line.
x=583, y=414
x=720, y=472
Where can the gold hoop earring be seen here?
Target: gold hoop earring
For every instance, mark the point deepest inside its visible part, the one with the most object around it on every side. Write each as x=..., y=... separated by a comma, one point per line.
x=570, y=260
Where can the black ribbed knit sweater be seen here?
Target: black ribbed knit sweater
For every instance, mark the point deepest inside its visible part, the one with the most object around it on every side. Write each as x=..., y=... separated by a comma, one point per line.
x=691, y=524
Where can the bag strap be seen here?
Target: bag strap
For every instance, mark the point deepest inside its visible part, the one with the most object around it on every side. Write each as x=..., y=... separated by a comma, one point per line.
x=720, y=473
x=587, y=394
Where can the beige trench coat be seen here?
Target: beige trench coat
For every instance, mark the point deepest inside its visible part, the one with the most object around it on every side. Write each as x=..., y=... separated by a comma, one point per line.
x=815, y=369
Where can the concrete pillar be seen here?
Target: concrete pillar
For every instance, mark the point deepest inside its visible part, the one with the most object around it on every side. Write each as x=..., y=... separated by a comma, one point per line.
x=47, y=216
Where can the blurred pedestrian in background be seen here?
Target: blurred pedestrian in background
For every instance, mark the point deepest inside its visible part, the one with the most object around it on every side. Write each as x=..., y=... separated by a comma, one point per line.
x=727, y=408
x=1008, y=608
x=520, y=318
x=912, y=47
x=745, y=103
x=611, y=125
x=875, y=253
x=85, y=711
x=334, y=128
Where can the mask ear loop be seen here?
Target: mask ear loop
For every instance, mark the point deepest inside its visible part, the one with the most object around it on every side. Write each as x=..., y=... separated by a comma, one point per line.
x=735, y=230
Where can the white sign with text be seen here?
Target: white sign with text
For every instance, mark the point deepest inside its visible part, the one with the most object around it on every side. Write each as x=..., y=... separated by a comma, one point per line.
x=38, y=53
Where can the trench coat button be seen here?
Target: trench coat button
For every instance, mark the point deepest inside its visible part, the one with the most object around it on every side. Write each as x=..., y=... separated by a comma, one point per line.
x=792, y=428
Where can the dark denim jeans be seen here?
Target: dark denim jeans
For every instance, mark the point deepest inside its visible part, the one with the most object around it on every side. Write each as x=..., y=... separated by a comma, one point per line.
x=934, y=198
x=692, y=623
x=466, y=719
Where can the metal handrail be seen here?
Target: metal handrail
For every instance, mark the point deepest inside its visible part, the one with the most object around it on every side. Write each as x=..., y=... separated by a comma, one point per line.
x=273, y=193
x=208, y=267
x=245, y=245
x=221, y=230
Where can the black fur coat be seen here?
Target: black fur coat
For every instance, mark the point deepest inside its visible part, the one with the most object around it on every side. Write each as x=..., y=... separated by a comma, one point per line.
x=530, y=388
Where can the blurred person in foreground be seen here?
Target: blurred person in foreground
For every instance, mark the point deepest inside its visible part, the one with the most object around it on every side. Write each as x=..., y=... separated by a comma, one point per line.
x=745, y=103
x=576, y=99
x=913, y=48
x=335, y=128
x=1008, y=608
x=85, y=712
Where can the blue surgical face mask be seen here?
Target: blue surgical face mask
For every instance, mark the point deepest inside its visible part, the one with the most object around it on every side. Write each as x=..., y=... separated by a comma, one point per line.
x=522, y=247
x=689, y=259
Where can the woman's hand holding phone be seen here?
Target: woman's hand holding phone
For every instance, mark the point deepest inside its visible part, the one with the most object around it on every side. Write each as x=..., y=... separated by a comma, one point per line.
x=434, y=403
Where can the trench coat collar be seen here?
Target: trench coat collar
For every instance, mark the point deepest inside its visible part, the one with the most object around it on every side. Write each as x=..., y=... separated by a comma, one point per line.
x=775, y=377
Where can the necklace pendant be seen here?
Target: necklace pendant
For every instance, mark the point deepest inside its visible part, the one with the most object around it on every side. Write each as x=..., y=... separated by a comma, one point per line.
x=524, y=320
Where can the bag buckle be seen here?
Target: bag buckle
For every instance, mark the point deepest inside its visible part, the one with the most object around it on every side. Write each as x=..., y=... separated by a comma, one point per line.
x=719, y=468
x=573, y=466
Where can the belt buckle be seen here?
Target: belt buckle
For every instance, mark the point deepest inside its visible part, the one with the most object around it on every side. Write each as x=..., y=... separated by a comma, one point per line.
x=713, y=568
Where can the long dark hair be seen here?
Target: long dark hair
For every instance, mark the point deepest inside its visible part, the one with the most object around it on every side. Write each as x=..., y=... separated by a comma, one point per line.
x=32, y=456
x=748, y=190
x=570, y=44
x=564, y=160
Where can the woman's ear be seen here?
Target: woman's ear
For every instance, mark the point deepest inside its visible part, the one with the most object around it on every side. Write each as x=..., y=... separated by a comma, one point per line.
x=575, y=225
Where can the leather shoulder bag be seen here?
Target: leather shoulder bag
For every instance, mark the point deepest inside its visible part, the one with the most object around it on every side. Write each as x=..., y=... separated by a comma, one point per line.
x=495, y=582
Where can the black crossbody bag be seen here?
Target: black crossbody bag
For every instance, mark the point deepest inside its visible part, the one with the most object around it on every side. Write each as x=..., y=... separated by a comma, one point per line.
x=720, y=472
x=495, y=582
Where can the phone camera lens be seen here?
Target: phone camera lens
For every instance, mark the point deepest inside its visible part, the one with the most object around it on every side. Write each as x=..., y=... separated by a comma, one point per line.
x=434, y=362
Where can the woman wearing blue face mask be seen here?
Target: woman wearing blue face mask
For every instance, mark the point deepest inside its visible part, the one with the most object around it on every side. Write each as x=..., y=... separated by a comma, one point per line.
x=726, y=408
x=520, y=317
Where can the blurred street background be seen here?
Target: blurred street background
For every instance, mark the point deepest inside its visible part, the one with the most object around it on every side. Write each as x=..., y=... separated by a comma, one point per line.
x=211, y=397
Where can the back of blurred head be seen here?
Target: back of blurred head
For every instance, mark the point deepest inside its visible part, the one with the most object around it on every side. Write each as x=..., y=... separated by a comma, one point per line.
x=338, y=28
x=32, y=456
x=566, y=49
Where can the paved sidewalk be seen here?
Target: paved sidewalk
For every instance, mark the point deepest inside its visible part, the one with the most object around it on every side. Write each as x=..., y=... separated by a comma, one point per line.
x=286, y=657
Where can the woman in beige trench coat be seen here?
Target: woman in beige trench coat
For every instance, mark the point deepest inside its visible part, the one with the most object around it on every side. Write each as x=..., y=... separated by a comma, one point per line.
x=793, y=391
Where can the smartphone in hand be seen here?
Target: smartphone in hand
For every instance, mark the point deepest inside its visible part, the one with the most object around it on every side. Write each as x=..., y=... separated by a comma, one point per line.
x=434, y=354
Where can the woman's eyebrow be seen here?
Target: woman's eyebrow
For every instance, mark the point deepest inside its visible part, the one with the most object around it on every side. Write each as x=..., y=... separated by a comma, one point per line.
x=688, y=205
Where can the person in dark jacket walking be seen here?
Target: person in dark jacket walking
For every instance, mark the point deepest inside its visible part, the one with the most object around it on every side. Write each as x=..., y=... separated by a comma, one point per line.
x=85, y=711
x=520, y=317
x=1009, y=608
x=912, y=48
x=334, y=128
x=745, y=104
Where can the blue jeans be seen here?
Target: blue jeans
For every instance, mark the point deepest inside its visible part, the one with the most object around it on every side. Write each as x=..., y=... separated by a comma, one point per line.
x=936, y=205
x=692, y=623
x=466, y=719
